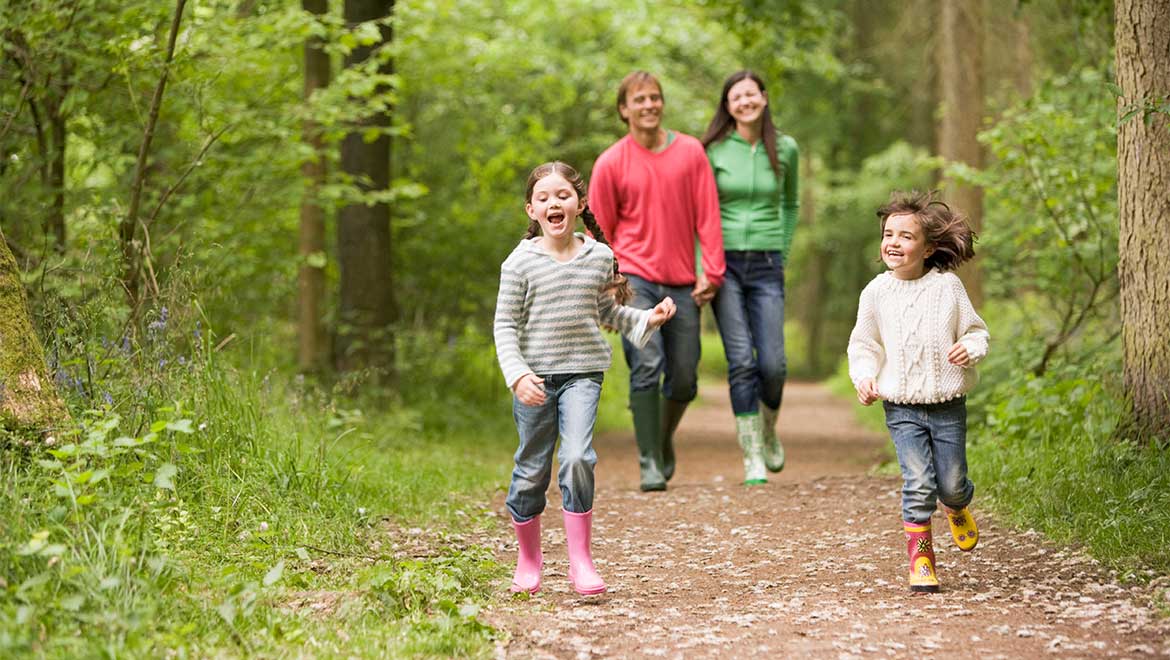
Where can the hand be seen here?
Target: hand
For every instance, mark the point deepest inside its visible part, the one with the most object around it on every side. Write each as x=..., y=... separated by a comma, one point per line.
x=529, y=390
x=661, y=313
x=867, y=391
x=959, y=356
x=704, y=291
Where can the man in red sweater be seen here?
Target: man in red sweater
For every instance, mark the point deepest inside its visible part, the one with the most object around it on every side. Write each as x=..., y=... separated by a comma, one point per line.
x=653, y=193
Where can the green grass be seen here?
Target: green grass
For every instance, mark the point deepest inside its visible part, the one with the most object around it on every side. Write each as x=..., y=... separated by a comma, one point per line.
x=257, y=518
x=1050, y=457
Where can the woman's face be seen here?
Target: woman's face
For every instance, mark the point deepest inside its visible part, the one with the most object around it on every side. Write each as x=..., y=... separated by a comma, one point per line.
x=745, y=102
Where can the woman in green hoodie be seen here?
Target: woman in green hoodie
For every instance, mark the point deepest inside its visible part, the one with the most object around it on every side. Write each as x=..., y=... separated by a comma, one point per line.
x=756, y=174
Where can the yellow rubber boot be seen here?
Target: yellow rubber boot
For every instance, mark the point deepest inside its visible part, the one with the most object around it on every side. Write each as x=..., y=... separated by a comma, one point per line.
x=963, y=528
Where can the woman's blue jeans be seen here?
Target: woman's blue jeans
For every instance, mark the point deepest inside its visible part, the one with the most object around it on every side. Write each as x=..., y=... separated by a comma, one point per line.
x=672, y=355
x=569, y=411
x=749, y=309
x=931, y=440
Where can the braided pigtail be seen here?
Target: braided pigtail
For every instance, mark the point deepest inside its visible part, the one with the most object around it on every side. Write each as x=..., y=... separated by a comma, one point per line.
x=533, y=229
x=619, y=286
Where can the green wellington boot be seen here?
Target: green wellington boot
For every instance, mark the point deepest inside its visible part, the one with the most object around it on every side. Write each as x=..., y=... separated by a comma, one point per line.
x=672, y=412
x=747, y=431
x=646, y=408
x=773, y=450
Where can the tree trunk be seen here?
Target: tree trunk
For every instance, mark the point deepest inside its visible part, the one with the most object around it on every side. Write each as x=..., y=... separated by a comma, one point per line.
x=960, y=69
x=1025, y=60
x=363, y=230
x=54, y=223
x=815, y=284
x=28, y=400
x=1143, y=190
x=311, y=277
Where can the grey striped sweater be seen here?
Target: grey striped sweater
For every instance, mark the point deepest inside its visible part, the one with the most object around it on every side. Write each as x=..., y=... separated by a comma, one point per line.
x=548, y=314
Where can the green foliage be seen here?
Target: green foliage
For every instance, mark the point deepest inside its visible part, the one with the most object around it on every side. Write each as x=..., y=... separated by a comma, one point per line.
x=490, y=91
x=1050, y=237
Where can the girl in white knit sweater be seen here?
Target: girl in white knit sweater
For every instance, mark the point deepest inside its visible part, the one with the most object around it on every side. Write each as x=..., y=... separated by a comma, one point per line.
x=915, y=346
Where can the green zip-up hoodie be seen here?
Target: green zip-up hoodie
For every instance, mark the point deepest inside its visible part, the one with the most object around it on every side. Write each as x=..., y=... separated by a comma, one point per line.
x=758, y=210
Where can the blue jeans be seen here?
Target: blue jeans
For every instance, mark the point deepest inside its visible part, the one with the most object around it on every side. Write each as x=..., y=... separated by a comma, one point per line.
x=672, y=356
x=749, y=310
x=931, y=440
x=569, y=411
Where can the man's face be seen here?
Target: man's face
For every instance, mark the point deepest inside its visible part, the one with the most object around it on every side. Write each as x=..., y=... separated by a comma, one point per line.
x=643, y=107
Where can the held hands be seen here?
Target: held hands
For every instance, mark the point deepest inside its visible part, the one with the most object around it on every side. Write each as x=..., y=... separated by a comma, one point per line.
x=529, y=390
x=867, y=391
x=959, y=356
x=661, y=313
x=703, y=292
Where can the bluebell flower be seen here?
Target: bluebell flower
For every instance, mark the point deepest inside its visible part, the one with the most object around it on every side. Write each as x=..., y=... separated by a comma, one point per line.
x=107, y=398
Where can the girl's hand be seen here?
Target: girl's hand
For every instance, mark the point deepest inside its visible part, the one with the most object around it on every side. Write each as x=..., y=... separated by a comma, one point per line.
x=958, y=356
x=529, y=390
x=661, y=313
x=867, y=391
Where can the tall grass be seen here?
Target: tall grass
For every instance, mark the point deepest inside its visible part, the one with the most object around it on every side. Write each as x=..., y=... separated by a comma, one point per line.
x=208, y=508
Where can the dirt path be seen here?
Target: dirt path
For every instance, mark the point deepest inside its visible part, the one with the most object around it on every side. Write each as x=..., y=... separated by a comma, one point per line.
x=811, y=564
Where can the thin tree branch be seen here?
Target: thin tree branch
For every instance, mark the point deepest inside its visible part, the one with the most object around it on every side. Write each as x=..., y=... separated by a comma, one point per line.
x=211, y=139
x=130, y=222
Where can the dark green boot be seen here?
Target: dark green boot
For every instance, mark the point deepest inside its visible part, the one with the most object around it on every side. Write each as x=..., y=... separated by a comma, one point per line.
x=647, y=431
x=672, y=412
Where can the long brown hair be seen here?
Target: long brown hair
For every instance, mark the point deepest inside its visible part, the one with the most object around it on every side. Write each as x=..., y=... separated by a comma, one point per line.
x=619, y=286
x=945, y=229
x=723, y=123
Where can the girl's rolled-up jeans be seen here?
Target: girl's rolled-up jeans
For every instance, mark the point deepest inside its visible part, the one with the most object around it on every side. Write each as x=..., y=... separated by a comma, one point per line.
x=569, y=411
x=931, y=440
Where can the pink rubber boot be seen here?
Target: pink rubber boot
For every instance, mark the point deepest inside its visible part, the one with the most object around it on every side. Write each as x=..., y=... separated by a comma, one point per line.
x=529, y=560
x=921, y=550
x=578, y=530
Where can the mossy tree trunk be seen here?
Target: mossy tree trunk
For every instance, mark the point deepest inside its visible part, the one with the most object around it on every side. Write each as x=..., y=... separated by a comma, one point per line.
x=29, y=404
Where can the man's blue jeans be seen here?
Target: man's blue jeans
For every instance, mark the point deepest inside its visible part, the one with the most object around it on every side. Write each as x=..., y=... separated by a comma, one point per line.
x=569, y=411
x=672, y=356
x=749, y=309
x=931, y=440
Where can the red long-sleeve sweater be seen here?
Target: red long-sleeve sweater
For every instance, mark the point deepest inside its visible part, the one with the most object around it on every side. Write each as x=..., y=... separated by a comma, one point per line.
x=652, y=205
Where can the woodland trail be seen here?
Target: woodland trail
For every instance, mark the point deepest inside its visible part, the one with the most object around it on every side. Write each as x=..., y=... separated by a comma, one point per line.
x=811, y=564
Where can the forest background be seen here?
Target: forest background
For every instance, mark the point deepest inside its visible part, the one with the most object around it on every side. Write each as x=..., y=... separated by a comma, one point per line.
x=259, y=241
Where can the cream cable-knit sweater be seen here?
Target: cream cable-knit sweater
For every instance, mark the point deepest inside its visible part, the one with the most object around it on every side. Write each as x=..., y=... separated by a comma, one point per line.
x=903, y=333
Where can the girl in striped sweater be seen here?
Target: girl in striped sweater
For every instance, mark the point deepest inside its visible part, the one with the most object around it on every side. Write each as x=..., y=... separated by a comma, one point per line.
x=557, y=288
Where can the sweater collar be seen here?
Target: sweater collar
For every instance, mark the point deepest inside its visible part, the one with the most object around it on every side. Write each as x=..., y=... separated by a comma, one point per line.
x=533, y=245
x=910, y=285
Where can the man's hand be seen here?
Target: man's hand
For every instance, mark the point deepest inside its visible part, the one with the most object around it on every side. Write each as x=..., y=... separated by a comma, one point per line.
x=867, y=391
x=959, y=356
x=704, y=291
x=529, y=390
x=661, y=313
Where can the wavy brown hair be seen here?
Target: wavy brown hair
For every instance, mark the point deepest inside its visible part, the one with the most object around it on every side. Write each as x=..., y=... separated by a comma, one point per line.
x=619, y=286
x=723, y=123
x=946, y=230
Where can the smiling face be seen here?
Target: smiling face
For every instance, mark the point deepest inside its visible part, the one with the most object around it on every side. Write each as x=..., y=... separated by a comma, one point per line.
x=904, y=246
x=555, y=205
x=746, y=102
x=642, y=108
